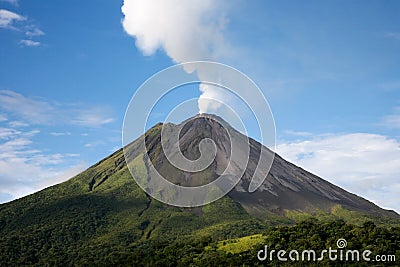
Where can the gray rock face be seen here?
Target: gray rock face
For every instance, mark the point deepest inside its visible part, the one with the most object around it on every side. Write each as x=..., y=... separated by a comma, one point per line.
x=286, y=187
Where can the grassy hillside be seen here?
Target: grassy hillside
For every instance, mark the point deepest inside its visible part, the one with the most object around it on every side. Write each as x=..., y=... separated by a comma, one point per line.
x=99, y=214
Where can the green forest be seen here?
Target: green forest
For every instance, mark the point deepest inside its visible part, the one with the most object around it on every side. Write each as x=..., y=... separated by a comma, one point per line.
x=205, y=249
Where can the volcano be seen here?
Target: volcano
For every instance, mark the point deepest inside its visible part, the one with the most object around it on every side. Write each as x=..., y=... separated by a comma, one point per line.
x=286, y=187
x=102, y=215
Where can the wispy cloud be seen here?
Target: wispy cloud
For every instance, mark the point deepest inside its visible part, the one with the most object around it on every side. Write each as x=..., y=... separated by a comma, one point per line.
x=3, y=118
x=39, y=111
x=8, y=18
x=365, y=164
x=60, y=134
x=24, y=170
x=92, y=117
x=18, y=124
x=33, y=31
x=33, y=110
x=27, y=42
x=392, y=120
x=297, y=133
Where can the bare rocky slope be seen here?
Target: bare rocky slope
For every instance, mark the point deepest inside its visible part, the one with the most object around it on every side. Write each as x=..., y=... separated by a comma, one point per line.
x=287, y=186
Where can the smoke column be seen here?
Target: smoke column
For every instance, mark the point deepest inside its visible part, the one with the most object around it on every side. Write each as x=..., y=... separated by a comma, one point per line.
x=185, y=31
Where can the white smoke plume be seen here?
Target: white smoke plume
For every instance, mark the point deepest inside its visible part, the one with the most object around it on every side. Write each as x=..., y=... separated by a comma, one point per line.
x=185, y=30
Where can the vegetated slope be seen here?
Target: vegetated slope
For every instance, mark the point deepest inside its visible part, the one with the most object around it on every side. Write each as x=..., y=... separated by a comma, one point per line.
x=101, y=216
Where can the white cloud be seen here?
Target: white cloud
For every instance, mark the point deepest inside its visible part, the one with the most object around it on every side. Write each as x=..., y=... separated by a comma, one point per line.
x=7, y=18
x=155, y=26
x=185, y=30
x=3, y=118
x=6, y=133
x=92, y=117
x=27, y=42
x=365, y=164
x=41, y=112
x=36, y=111
x=24, y=170
x=34, y=32
x=392, y=121
x=17, y=124
x=60, y=134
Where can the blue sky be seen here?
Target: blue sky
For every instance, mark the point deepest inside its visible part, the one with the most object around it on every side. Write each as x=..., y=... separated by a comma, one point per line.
x=330, y=71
